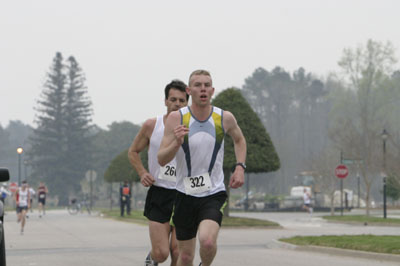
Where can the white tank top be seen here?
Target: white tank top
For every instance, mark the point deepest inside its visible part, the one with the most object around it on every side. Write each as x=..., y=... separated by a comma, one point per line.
x=22, y=197
x=201, y=154
x=165, y=176
x=306, y=198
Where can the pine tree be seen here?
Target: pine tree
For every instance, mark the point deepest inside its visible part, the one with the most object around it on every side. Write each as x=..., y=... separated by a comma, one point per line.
x=48, y=142
x=60, y=145
x=77, y=118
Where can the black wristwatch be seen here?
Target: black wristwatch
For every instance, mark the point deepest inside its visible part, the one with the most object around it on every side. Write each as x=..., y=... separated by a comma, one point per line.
x=241, y=164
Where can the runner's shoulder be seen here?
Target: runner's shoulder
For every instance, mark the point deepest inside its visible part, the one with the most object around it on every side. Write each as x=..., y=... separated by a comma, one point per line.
x=148, y=125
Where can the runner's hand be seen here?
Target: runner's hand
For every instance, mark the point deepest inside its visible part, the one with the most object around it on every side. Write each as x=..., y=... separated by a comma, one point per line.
x=237, y=178
x=147, y=179
x=180, y=132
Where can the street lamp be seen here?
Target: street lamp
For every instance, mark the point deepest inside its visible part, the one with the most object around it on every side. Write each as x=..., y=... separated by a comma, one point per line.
x=26, y=170
x=19, y=151
x=384, y=137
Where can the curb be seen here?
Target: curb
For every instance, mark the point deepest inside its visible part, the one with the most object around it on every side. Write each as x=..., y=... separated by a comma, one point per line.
x=362, y=223
x=341, y=252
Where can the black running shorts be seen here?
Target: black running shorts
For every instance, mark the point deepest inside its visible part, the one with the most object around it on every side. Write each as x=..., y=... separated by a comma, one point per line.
x=42, y=200
x=190, y=211
x=159, y=204
x=20, y=209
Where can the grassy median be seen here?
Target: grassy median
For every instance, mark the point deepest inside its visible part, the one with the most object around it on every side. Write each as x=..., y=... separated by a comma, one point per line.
x=369, y=243
x=137, y=217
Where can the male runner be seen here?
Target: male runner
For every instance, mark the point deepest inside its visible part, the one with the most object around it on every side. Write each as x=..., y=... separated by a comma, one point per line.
x=307, y=201
x=195, y=135
x=42, y=194
x=162, y=180
x=22, y=199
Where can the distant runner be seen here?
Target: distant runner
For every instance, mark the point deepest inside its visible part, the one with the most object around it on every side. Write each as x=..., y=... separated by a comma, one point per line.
x=42, y=194
x=22, y=199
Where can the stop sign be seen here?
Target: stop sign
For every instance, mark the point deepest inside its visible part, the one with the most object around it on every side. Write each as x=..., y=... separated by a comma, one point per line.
x=341, y=171
x=13, y=187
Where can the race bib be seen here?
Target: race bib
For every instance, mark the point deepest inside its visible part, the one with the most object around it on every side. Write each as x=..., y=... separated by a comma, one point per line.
x=197, y=184
x=167, y=173
x=42, y=196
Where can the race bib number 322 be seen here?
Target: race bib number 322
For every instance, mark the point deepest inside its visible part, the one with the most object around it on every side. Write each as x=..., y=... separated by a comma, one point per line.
x=197, y=184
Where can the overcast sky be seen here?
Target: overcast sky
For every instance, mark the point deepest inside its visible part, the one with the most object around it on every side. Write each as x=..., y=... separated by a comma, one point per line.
x=129, y=50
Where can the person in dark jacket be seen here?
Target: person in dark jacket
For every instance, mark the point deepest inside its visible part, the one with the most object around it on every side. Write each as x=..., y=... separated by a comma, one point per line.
x=125, y=198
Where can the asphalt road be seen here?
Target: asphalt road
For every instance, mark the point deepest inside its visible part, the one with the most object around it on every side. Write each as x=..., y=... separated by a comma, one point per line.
x=60, y=239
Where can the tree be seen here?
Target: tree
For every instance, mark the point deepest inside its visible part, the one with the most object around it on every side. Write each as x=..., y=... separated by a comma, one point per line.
x=294, y=108
x=77, y=120
x=4, y=145
x=120, y=170
x=261, y=154
x=107, y=144
x=322, y=165
x=48, y=141
x=357, y=117
x=11, y=137
x=59, y=152
x=308, y=99
x=393, y=188
x=271, y=95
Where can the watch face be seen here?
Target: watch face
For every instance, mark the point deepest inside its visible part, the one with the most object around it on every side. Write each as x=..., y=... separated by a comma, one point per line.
x=242, y=164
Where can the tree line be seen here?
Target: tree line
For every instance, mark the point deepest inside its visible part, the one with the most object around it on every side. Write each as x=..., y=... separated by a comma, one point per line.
x=310, y=120
x=313, y=120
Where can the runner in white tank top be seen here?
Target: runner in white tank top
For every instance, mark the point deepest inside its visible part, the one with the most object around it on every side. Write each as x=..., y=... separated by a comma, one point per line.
x=201, y=157
x=22, y=198
x=195, y=137
x=162, y=181
x=164, y=176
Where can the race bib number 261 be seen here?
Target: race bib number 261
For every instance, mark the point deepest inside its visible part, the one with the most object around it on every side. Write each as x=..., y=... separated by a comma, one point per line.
x=197, y=184
x=168, y=173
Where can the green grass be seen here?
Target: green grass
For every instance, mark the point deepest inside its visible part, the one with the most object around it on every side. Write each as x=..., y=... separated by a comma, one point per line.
x=137, y=217
x=363, y=219
x=369, y=243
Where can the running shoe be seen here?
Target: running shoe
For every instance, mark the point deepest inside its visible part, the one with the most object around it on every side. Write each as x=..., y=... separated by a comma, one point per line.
x=149, y=261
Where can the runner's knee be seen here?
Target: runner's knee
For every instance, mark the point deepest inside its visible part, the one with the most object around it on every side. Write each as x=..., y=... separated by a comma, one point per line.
x=160, y=254
x=208, y=243
x=186, y=257
x=174, y=251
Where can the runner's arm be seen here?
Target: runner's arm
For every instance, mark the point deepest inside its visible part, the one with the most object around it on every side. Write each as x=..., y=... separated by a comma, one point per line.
x=174, y=134
x=239, y=141
x=140, y=142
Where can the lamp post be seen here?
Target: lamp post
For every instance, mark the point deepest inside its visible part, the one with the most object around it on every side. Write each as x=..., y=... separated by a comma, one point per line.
x=384, y=136
x=19, y=151
x=26, y=164
x=358, y=186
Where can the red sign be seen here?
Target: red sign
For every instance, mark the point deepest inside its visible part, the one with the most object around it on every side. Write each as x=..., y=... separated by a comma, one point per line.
x=341, y=171
x=13, y=187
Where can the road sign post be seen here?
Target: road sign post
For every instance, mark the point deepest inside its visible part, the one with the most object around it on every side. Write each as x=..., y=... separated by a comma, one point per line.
x=13, y=187
x=341, y=172
x=91, y=175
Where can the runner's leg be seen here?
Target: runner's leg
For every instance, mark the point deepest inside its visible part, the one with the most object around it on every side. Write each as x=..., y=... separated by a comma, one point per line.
x=186, y=252
x=208, y=233
x=159, y=236
x=23, y=214
x=173, y=247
